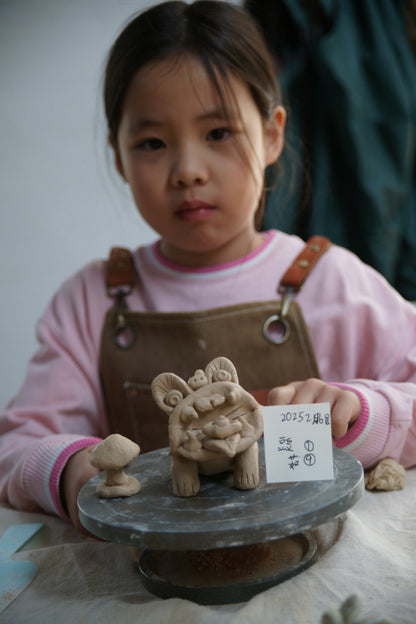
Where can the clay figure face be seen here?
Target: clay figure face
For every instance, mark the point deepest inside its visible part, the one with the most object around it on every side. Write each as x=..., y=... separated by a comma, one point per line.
x=214, y=425
x=198, y=380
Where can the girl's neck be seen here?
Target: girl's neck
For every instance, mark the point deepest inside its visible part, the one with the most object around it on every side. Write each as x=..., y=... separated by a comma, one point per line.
x=229, y=253
x=205, y=264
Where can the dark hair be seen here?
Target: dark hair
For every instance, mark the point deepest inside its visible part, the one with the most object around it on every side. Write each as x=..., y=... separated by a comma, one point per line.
x=222, y=36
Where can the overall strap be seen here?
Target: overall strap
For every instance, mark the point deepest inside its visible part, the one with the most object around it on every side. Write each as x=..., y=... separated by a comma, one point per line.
x=295, y=277
x=120, y=273
x=120, y=280
x=303, y=264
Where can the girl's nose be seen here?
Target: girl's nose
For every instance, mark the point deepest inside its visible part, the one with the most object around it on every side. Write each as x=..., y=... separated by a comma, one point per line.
x=188, y=169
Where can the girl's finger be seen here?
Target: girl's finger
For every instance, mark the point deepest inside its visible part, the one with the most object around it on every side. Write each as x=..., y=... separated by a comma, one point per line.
x=344, y=413
x=282, y=395
x=307, y=391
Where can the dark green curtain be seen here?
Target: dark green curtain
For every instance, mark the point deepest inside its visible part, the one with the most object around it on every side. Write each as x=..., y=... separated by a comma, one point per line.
x=348, y=77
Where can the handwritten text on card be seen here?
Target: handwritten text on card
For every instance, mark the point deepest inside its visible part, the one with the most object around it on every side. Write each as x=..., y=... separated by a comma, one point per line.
x=298, y=443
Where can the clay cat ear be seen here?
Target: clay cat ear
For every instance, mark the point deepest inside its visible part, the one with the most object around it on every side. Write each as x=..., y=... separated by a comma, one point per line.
x=221, y=369
x=168, y=390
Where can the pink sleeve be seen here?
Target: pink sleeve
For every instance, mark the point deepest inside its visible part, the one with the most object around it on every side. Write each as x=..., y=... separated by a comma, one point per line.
x=387, y=426
x=364, y=336
x=59, y=408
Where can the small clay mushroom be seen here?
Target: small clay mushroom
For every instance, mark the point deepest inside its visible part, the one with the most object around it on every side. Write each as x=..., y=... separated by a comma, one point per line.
x=113, y=455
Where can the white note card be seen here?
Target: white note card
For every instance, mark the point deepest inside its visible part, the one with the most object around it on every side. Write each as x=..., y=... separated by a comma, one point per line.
x=298, y=443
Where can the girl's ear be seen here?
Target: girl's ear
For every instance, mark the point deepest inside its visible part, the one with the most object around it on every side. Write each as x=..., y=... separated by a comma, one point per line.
x=117, y=160
x=274, y=133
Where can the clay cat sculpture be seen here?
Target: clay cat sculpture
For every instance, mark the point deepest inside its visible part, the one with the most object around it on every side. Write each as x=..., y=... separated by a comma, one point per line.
x=214, y=425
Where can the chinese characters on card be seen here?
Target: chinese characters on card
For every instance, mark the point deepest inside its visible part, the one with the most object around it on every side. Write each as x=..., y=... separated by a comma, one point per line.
x=298, y=443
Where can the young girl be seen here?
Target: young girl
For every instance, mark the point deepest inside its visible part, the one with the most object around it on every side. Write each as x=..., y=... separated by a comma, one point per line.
x=194, y=118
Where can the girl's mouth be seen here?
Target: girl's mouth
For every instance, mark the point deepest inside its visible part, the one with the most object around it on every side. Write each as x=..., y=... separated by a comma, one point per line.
x=194, y=210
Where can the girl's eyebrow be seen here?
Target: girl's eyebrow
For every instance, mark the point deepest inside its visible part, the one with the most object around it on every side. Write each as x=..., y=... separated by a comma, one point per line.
x=141, y=124
x=217, y=114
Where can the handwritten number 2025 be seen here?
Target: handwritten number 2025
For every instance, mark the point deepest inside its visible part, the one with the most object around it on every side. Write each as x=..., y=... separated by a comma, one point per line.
x=314, y=419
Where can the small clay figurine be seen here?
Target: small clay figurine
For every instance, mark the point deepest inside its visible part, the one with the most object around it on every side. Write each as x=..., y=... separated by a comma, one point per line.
x=214, y=425
x=387, y=476
x=112, y=455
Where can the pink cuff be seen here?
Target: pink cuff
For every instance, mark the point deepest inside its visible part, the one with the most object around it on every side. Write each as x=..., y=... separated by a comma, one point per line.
x=367, y=437
x=59, y=465
x=360, y=424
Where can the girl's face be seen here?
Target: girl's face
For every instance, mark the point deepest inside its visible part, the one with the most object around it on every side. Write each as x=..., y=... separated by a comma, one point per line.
x=196, y=173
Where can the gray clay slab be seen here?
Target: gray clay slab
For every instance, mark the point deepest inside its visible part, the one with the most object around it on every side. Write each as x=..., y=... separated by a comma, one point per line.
x=220, y=516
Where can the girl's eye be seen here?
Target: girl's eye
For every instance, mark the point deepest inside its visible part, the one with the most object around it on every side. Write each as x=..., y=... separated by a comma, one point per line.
x=219, y=134
x=150, y=145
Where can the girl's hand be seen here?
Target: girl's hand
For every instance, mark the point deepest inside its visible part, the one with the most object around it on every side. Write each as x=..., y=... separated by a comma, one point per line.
x=76, y=473
x=345, y=404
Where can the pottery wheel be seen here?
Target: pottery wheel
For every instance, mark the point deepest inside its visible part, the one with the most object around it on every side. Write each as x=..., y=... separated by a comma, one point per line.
x=219, y=517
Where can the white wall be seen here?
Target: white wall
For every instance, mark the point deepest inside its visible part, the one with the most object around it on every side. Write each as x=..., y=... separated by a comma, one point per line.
x=60, y=206
x=61, y=202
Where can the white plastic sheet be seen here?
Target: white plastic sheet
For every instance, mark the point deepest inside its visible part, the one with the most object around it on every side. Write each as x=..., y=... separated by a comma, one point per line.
x=370, y=552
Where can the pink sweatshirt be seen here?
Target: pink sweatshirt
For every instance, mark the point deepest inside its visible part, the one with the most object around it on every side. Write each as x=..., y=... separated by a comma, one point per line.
x=363, y=333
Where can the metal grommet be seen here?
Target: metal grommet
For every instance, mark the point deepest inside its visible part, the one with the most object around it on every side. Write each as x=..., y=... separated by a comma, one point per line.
x=119, y=294
x=124, y=334
x=276, y=329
